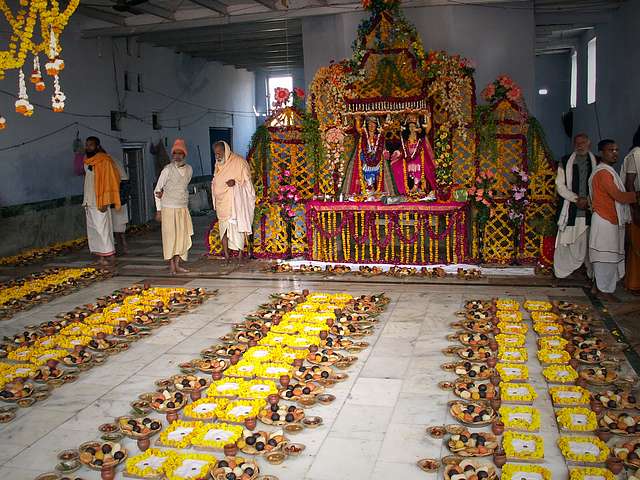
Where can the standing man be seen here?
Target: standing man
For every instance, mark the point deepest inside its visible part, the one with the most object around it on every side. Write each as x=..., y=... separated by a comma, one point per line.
x=572, y=184
x=234, y=198
x=172, y=203
x=611, y=213
x=101, y=191
x=120, y=218
x=630, y=173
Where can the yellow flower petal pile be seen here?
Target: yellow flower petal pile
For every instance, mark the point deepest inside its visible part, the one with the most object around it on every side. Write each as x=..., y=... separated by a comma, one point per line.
x=577, y=419
x=565, y=445
x=520, y=417
x=534, y=446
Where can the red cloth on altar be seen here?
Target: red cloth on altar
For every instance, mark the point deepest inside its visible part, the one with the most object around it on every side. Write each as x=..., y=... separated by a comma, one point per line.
x=427, y=175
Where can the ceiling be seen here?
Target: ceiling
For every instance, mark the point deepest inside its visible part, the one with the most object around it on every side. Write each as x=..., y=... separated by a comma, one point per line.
x=267, y=34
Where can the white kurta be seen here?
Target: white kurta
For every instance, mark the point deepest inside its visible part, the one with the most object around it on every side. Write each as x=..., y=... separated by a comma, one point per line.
x=177, y=227
x=572, y=247
x=99, y=224
x=120, y=218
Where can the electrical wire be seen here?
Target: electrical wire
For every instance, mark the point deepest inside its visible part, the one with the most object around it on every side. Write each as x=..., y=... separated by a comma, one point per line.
x=47, y=107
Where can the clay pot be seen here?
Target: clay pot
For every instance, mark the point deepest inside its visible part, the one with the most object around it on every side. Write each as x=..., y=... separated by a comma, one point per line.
x=195, y=394
x=570, y=348
x=313, y=348
x=144, y=444
x=250, y=423
x=305, y=292
x=108, y=473
x=146, y=285
x=324, y=334
x=216, y=375
x=495, y=380
x=172, y=417
x=574, y=363
x=101, y=336
x=337, y=312
x=492, y=362
x=496, y=403
x=581, y=382
x=493, y=345
x=496, y=331
x=495, y=320
x=50, y=331
x=330, y=322
x=275, y=321
x=615, y=465
x=234, y=359
x=603, y=434
x=499, y=458
x=567, y=335
x=253, y=342
x=298, y=362
x=230, y=450
x=497, y=427
x=52, y=363
x=273, y=399
x=285, y=380
x=596, y=406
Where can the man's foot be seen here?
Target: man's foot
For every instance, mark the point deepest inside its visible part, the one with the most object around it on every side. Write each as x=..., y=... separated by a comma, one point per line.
x=182, y=269
x=608, y=297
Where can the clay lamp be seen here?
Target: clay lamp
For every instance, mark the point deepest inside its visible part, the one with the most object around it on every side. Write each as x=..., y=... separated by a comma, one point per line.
x=285, y=380
x=313, y=348
x=108, y=472
x=570, y=348
x=101, y=336
x=273, y=399
x=253, y=343
x=603, y=434
x=574, y=363
x=216, y=375
x=615, y=465
x=495, y=320
x=234, y=359
x=230, y=450
x=297, y=362
x=499, y=457
x=497, y=427
x=250, y=423
x=305, y=292
x=493, y=345
x=496, y=403
x=581, y=382
x=330, y=322
x=495, y=380
x=492, y=362
x=596, y=406
x=324, y=334
x=275, y=321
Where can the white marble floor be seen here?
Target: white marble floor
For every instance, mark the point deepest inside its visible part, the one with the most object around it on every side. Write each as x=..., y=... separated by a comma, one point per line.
x=374, y=430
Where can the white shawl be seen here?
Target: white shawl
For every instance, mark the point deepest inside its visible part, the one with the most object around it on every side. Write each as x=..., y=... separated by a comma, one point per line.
x=622, y=210
x=633, y=157
x=565, y=187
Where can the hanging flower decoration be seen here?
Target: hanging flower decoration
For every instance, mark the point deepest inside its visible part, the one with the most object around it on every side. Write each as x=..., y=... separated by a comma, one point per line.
x=443, y=156
x=3, y=123
x=517, y=202
x=23, y=106
x=36, y=75
x=58, y=98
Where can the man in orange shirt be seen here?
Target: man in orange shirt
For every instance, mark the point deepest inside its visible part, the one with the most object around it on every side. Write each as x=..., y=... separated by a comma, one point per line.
x=610, y=202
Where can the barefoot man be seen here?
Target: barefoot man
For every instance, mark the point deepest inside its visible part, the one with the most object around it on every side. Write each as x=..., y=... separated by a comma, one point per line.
x=234, y=198
x=172, y=203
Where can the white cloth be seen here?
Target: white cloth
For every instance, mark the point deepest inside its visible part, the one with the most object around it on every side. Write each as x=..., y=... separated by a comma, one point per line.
x=606, y=251
x=244, y=202
x=564, y=182
x=631, y=164
x=89, y=199
x=569, y=256
x=120, y=219
x=173, y=183
x=99, y=232
x=234, y=236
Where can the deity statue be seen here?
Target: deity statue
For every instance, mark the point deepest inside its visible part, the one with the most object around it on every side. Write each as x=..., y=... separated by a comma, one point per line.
x=412, y=165
x=369, y=169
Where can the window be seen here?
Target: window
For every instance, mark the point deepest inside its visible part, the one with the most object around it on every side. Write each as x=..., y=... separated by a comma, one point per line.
x=127, y=85
x=591, y=71
x=574, y=79
x=275, y=82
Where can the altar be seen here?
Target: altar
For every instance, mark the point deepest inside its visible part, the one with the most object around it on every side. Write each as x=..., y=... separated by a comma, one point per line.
x=400, y=234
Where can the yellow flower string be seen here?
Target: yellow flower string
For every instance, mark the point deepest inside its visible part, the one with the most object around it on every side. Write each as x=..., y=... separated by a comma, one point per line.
x=523, y=446
x=583, y=449
x=520, y=417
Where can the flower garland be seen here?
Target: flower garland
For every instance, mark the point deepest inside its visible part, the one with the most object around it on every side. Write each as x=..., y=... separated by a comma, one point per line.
x=569, y=395
x=517, y=392
x=553, y=356
x=206, y=408
x=544, y=317
x=148, y=464
x=237, y=410
x=517, y=203
x=507, y=304
x=590, y=473
x=560, y=374
x=509, y=341
x=188, y=466
x=553, y=329
x=504, y=88
x=510, y=372
x=523, y=446
x=552, y=343
x=515, y=355
x=258, y=389
x=443, y=156
x=537, y=305
x=512, y=471
x=520, y=417
x=509, y=316
x=577, y=419
x=216, y=435
x=513, y=328
x=224, y=388
x=179, y=433
x=583, y=449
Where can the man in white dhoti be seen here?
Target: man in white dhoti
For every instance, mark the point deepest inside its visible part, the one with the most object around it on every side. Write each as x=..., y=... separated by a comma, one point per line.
x=572, y=182
x=101, y=191
x=120, y=218
x=172, y=204
x=234, y=198
x=611, y=213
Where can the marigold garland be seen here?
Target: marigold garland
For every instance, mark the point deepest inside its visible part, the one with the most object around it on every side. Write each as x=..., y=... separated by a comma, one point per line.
x=577, y=419
x=511, y=328
x=509, y=315
x=507, y=304
x=523, y=446
x=206, y=408
x=512, y=471
x=569, y=395
x=510, y=372
x=237, y=410
x=514, y=355
x=590, y=473
x=552, y=343
x=520, y=417
x=172, y=467
x=517, y=392
x=179, y=433
x=583, y=449
x=148, y=464
x=537, y=306
x=216, y=435
x=510, y=340
x=560, y=374
x=553, y=356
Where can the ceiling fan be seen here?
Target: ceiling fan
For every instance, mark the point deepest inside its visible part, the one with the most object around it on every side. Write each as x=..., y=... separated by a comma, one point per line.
x=129, y=6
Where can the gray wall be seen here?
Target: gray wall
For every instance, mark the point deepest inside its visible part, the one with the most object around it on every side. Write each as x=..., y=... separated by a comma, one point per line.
x=43, y=170
x=497, y=40
x=616, y=112
x=553, y=72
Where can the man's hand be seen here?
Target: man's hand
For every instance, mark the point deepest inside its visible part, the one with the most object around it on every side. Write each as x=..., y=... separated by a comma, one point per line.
x=103, y=209
x=159, y=194
x=159, y=217
x=582, y=203
x=231, y=183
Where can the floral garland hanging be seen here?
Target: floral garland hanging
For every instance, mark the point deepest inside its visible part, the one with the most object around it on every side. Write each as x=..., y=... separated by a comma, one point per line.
x=442, y=153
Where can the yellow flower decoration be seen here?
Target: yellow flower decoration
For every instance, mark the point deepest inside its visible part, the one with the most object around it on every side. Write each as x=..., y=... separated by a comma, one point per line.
x=510, y=341
x=548, y=328
x=590, y=473
x=40, y=357
x=512, y=471
x=225, y=387
x=553, y=356
x=273, y=370
x=583, y=449
x=258, y=389
x=507, y=304
x=513, y=328
x=511, y=371
x=552, y=343
x=188, y=466
x=517, y=392
x=537, y=306
x=523, y=446
x=560, y=374
x=569, y=395
x=179, y=434
x=259, y=355
x=237, y=410
x=244, y=368
x=206, y=408
x=520, y=418
x=513, y=355
x=216, y=435
x=509, y=316
x=19, y=370
x=544, y=317
x=21, y=354
x=70, y=342
x=577, y=419
x=148, y=464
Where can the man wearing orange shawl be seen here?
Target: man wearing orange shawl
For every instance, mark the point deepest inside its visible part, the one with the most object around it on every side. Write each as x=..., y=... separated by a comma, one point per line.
x=101, y=191
x=234, y=198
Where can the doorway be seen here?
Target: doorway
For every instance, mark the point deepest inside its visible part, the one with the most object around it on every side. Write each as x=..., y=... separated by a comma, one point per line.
x=217, y=135
x=133, y=157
